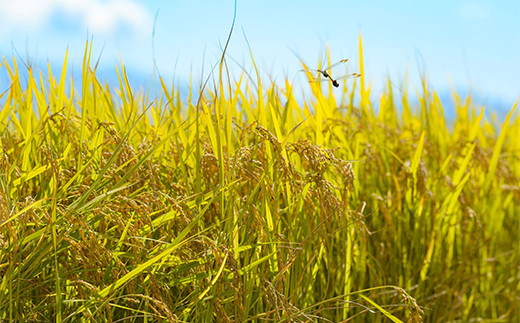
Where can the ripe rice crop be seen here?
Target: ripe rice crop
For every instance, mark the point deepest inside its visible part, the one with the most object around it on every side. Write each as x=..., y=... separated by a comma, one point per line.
x=242, y=204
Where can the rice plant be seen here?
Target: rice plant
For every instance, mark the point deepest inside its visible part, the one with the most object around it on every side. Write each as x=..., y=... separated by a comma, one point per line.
x=241, y=204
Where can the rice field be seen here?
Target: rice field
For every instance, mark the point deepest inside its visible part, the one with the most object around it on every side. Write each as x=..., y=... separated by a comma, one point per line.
x=242, y=203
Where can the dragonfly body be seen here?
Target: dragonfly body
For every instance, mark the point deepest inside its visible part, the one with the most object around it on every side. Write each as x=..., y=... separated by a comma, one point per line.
x=328, y=77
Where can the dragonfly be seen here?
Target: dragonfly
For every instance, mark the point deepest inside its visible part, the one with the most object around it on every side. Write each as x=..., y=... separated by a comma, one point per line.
x=325, y=72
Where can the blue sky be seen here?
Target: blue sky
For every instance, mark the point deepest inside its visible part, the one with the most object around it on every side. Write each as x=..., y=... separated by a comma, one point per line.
x=471, y=44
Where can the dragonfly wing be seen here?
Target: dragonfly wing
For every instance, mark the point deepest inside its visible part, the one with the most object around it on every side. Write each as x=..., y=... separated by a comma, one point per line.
x=317, y=75
x=348, y=76
x=310, y=71
x=335, y=64
x=320, y=80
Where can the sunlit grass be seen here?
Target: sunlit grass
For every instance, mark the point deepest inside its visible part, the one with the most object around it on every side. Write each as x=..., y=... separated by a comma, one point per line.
x=251, y=206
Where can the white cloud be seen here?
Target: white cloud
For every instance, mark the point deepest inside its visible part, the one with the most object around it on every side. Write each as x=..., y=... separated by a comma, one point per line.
x=25, y=13
x=95, y=15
